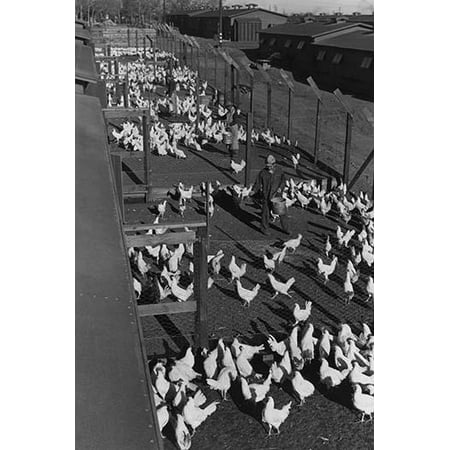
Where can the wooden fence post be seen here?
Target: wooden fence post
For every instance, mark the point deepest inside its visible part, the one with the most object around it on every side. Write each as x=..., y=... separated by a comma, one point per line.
x=197, y=100
x=225, y=82
x=128, y=38
x=348, y=134
x=248, y=149
x=147, y=170
x=215, y=71
x=289, y=124
x=200, y=288
x=348, y=145
x=317, y=133
x=137, y=41
x=269, y=105
x=206, y=64
x=237, y=99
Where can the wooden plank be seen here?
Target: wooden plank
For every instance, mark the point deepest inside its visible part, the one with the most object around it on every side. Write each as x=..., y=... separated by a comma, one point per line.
x=200, y=288
x=136, y=189
x=114, y=113
x=159, y=239
x=128, y=154
x=158, y=309
x=128, y=228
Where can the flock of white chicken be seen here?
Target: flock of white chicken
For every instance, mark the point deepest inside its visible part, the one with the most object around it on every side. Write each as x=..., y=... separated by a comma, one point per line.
x=336, y=359
x=339, y=359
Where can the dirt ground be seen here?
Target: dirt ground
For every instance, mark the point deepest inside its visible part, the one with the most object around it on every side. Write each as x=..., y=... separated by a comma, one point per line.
x=327, y=419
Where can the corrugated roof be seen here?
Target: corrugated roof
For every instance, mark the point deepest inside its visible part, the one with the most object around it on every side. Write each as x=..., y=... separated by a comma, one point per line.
x=357, y=40
x=308, y=29
x=235, y=12
x=113, y=406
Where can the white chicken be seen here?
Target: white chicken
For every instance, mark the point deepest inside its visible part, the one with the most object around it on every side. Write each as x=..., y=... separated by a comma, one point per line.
x=363, y=402
x=292, y=244
x=328, y=246
x=247, y=295
x=236, y=271
x=162, y=208
x=326, y=269
x=348, y=288
x=194, y=416
x=301, y=315
x=137, y=286
x=275, y=417
x=236, y=168
x=223, y=382
x=181, y=294
x=269, y=264
x=370, y=288
x=331, y=377
x=279, y=287
x=275, y=346
x=302, y=388
x=182, y=434
x=255, y=392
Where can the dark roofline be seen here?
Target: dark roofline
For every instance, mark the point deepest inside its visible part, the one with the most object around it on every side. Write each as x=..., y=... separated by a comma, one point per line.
x=273, y=30
x=237, y=12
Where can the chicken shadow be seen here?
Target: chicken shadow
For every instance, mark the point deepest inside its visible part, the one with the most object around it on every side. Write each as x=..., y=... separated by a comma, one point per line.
x=283, y=312
x=245, y=406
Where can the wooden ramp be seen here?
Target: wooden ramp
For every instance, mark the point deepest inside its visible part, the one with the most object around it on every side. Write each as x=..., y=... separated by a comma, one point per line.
x=114, y=404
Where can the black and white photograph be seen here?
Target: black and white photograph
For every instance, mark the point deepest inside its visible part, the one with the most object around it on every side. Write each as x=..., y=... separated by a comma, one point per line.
x=224, y=224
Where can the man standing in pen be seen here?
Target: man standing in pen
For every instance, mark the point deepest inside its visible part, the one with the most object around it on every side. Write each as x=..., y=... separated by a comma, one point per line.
x=270, y=182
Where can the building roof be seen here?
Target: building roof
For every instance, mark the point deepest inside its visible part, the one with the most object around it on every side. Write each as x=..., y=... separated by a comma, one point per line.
x=236, y=12
x=366, y=18
x=185, y=12
x=310, y=29
x=357, y=40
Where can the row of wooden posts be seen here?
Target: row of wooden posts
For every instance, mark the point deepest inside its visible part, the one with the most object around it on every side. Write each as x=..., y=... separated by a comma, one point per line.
x=170, y=41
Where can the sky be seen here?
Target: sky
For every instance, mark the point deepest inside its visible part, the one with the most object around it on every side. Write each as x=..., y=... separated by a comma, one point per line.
x=315, y=6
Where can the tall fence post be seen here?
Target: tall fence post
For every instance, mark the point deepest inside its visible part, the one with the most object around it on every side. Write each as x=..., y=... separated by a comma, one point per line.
x=197, y=101
x=348, y=146
x=318, y=94
x=128, y=38
x=348, y=134
x=317, y=133
x=289, y=124
x=269, y=105
x=225, y=82
x=206, y=64
x=147, y=175
x=237, y=99
x=200, y=288
x=248, y=149
x=137, y=42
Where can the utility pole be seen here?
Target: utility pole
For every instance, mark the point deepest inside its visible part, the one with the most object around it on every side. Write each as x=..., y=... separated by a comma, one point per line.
x=220, y=22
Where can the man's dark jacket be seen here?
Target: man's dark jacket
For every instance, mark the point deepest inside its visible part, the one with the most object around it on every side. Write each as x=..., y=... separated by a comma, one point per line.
x=268, y=183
